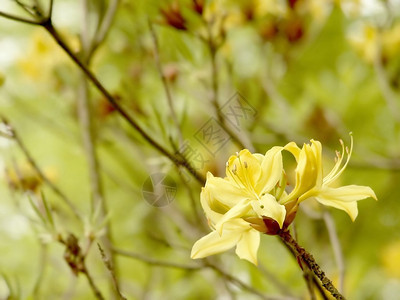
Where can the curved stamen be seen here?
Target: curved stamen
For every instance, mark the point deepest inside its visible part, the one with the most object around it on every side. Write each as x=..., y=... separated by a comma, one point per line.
x=233, y=173
x=337, y=171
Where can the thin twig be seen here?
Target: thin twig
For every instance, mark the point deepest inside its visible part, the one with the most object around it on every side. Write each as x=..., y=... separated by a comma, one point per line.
x=306, y=273
x=240, y=283
x=178, y=161
x=336, y=247
x=320, y=288
x=194, y=202
x=388, y=94
x=152, y=261
x=104, y=26
x=50, y=11
x=215, y=88
x=308, y=277
x=42, y=266
x=110, y=267
x=165, y=83
x=207, y=264
x=92, y=284
x=41, y=174
x=89, y=142
x=309, y=260
x=26, y=8
x=20, y=19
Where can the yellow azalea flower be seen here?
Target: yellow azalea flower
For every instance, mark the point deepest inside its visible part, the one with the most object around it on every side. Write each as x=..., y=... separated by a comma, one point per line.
x=309, y=181
x=237, y=205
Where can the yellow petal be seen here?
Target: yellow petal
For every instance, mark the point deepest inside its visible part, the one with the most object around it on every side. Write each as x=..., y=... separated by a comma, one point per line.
x=271, y=170
x=316, y=148
x=224, y=191
x=349, y=207
x=239, y=210
x=213, y=243
x=294, y=149
x=213, y=216
x=247, y=246
x=308, y=170
x=347, y=193
x=267, y=206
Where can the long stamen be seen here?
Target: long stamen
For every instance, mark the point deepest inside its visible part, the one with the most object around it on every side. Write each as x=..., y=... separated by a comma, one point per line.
x=233, y=173
x=337, y=171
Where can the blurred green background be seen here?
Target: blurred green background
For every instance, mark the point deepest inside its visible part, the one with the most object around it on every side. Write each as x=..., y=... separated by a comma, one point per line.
x=309, y=69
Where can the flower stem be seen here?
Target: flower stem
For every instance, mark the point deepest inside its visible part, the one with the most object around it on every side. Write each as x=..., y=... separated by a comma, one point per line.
x=310, y=262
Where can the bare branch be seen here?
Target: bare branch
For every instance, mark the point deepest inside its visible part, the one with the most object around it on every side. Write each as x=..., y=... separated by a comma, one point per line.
x=92, y=284
x=109, y=265
x=309, y=260
x=42, y=176
x=50, y=11
x=164, y=82
x=388, y=94
x=336, y=247
x=104, y=26
x=156, y=262
x=20, y=19
x=242, y=284
x=177, y=161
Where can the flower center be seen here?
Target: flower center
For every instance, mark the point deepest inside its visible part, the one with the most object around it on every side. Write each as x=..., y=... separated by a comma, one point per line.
x=241, y=176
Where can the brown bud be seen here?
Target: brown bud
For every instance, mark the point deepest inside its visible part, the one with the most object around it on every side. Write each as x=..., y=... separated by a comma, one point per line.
x=291, y=211
x=198, y=6
x=73, y=254
x=173, y=16
x=272, y=226
x=170, y=72
x=292, y=3
x=294, y=30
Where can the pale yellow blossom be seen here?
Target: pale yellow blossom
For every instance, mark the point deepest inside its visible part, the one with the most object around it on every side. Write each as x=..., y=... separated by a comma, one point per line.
x=236, y=205
x=310, y=182
x=252, y=197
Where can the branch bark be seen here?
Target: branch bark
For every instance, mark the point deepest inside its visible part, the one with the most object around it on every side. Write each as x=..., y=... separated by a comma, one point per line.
x=310, y=262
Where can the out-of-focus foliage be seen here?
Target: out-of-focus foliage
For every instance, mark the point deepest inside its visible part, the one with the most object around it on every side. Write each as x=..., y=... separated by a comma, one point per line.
x=306, y=68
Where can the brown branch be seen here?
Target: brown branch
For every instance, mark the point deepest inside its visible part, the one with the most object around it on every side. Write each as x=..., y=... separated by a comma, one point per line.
x=92, y=284
x=152, y=261
x=20, y=19
x=310, y=262
x=47, y=24
x=177, y=161
x=50, y=11
x=110, y=267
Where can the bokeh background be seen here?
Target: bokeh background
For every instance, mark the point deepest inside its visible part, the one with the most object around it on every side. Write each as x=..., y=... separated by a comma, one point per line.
x=306, y=69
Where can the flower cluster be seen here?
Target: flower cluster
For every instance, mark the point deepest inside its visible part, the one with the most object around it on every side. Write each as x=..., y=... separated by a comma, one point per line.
x=252, y=198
